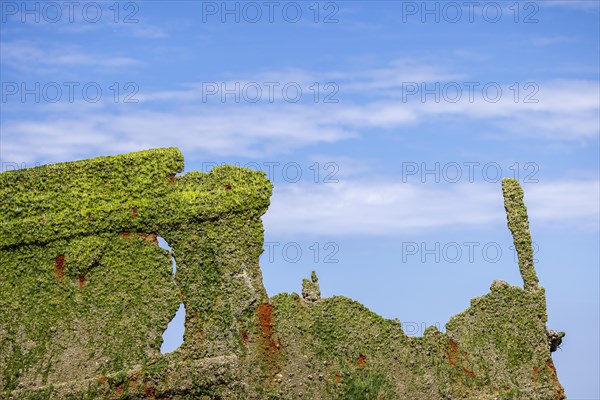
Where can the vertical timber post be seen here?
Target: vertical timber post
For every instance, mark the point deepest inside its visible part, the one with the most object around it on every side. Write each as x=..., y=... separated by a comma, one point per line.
x=518, y=223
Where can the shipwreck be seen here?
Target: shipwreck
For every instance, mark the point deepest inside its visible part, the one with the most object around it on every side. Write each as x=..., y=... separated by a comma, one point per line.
x=86, y=293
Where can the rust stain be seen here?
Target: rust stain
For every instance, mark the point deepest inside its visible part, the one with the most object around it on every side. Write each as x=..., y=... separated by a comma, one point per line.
x=119, y=389
x=362, y=361
x=228, y=187
x=269, y=348
x=558, y=389
x=550, y=368
x=150, y=237
x=133, y=382
x=536, y=374
x=81, y=282
x=134, y=212
x=265, y=316
x=265, y=321
x=59, y=267
x=245, y=337
x=452, y=352
x=469, y=373
x=338, y=379
x=149, y=392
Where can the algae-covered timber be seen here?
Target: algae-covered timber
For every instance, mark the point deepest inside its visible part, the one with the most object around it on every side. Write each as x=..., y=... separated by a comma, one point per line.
x=86, y=293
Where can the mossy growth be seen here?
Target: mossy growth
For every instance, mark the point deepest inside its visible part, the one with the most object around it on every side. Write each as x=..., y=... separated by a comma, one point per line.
x=518, y=223
x=310, y=288
x=90, y=292
x=87, y=293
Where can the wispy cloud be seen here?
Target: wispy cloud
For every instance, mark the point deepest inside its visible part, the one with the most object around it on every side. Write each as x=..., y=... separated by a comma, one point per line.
x=383, y=208
x=24, y=56
x=148, y=31
x=379, y=97
x=565, y=203
x=564, y=110
x=552, y=40
x=242, y=131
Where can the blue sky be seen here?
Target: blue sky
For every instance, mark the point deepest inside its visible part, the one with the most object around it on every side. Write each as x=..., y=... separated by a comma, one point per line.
x=384, y=126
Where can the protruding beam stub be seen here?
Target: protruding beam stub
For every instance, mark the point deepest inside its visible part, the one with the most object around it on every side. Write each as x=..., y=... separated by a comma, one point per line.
x=518, y=223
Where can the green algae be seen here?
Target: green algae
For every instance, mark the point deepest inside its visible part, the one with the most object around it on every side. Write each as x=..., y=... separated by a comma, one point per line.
x=87, y=293
x=518, y=223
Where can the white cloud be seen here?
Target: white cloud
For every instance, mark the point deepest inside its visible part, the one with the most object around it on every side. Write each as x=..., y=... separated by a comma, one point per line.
x=245, y=131
x=148, y=31
x=566, y=110
x=552, y=40
x=393, y=76
x=378, y=208
x=565, y=203
x=377, y=82
x=381, y=208
x=556, y=110
x=25, y=56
